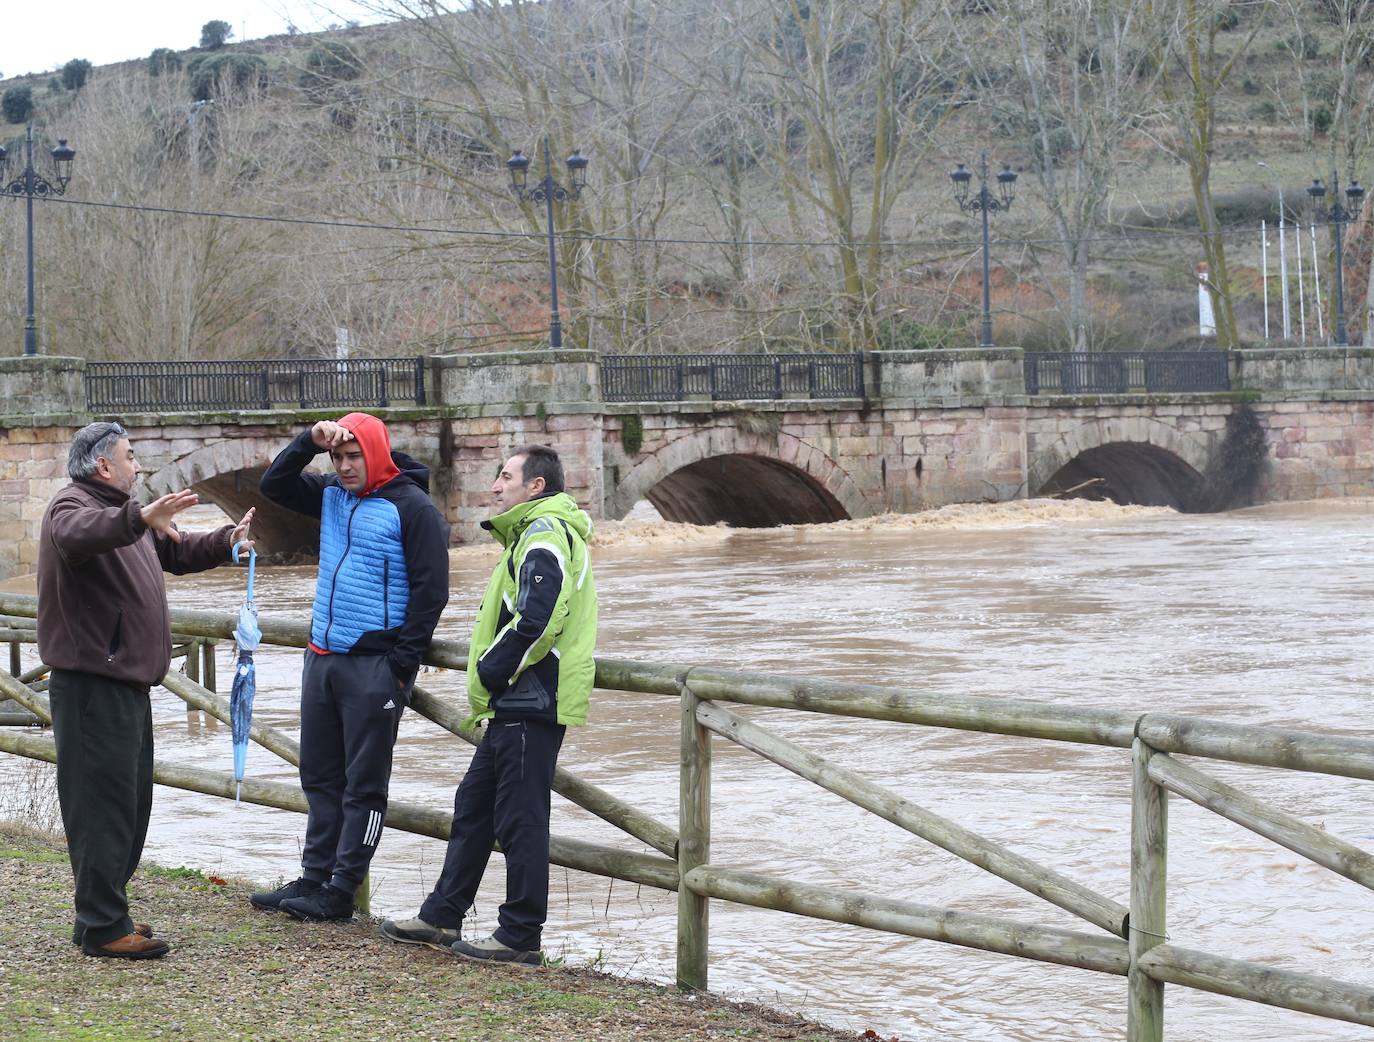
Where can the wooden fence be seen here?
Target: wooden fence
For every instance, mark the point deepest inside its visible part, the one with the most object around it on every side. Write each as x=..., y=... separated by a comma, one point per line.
x=1126, y=939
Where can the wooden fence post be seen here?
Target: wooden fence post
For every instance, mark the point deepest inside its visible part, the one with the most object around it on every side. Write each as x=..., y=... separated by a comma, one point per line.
x=1149, y=870
x=193, y=659
x=208, y=662
x=694, y=845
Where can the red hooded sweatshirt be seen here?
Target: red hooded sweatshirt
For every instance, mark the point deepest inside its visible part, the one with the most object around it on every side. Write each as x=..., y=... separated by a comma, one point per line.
x=372, y=438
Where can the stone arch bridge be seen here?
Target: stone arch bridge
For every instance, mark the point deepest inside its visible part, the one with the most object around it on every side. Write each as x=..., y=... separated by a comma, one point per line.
x=926, y=429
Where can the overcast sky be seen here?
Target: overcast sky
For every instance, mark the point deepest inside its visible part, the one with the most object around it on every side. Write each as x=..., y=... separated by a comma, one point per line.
x=38, y=37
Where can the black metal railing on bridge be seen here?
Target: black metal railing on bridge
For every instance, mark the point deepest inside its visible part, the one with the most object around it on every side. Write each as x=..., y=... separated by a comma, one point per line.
x=272, y=383
x=1123, y=372
x=673, y=378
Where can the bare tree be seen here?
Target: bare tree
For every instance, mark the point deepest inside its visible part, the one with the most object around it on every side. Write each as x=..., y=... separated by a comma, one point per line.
x=1079, y=89
x=1185, y=40
x=856, y=89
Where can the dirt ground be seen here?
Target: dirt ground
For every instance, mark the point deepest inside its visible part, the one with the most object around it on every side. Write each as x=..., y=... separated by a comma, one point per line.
x=235, y=973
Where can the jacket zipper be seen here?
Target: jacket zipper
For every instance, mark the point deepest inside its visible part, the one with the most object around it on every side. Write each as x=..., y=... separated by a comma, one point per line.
x=386, y=591
x=334, y=579
x=115, y=637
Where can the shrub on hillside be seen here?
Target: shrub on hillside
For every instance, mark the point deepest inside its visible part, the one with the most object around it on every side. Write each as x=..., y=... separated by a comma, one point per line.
x=75, y=73
x=17, y=104
x=211, y=75
x=164, y=59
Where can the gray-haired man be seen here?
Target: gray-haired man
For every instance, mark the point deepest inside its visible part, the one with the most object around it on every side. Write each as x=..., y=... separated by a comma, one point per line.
x=103, y=627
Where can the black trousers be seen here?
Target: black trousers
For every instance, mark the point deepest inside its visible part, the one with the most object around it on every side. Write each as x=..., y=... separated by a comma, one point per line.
x=103, y=730
x=351, y=708
x=504, y=796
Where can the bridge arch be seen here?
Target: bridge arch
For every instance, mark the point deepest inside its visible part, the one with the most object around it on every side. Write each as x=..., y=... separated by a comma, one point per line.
x=746, y=480
x=226, y=473
x=1133, y=460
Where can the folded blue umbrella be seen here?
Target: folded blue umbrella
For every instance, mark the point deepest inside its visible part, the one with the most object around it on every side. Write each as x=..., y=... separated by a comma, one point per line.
x=247, y=636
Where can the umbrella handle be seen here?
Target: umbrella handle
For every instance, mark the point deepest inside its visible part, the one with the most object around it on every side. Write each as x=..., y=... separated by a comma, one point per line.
x=252, y=566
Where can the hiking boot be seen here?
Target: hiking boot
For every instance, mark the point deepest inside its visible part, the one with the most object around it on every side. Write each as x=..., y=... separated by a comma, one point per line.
x=130, y=946
x=489, y=949
x=417, y=931
x=142, y=929
x=325, y=905
x=270, y=901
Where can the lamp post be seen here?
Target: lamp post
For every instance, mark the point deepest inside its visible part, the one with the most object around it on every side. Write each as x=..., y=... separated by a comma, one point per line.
x=984, y=203
x=30, y=184
x=548, y=191
x=1337, y=214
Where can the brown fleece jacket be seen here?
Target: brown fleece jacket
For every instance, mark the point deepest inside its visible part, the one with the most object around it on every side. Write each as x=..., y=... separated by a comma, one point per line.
x=102, y=604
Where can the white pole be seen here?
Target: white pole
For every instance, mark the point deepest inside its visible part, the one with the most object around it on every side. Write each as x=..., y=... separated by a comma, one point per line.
x=1317, y=281
x=1264, y=266
x=1302, y=297
x=1283, y=271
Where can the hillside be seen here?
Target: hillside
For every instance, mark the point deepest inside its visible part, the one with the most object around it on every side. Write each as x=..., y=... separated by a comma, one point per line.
x=762, y=177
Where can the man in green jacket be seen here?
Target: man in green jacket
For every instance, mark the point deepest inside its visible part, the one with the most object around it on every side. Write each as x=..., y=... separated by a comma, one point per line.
x=530, y=671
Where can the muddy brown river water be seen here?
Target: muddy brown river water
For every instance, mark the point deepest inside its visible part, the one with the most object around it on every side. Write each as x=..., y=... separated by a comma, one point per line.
x=1263, y=615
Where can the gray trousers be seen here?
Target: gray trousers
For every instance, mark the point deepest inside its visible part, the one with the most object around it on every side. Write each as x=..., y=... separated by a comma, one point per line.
x=103, y=730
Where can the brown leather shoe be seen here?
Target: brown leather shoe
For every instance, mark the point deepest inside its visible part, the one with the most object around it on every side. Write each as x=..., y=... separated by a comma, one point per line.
x=131, y=946
x=142, y=929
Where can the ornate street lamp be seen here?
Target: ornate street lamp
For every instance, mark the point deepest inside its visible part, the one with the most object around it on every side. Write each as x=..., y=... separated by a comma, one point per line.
x=1337, y=215
x=984, y=203
x=548, y=191
x=30, y=184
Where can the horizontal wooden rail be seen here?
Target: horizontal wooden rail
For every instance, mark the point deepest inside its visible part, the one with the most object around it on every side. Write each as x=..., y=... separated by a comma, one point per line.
x=1007, y=716
x=966, y=929
x=1297, y=835
x=1304, y=992
x=1263, y=746
x=988, y=855
x=648, y=869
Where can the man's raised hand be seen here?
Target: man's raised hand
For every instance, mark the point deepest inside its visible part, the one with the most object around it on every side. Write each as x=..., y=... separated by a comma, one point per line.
x=328, y=435
x=240, y=533
x=158, y=514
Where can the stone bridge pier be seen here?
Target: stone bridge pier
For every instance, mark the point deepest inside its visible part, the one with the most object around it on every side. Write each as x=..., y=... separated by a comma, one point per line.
x=932, y=428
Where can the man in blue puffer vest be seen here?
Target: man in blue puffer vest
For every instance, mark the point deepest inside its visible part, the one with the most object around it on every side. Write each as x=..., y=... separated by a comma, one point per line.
x=383, y=583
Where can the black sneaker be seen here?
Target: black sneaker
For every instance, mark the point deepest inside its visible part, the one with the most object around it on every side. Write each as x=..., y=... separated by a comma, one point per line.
x=326, y=905
x=270, y=901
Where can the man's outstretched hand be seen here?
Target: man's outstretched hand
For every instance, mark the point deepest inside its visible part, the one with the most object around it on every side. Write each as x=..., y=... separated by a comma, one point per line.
x=158, y=514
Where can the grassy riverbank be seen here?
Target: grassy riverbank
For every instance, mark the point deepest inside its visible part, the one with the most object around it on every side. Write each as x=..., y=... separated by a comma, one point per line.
x=237, y=974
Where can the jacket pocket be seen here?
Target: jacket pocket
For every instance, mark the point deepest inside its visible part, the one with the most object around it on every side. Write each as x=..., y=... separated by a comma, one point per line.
x=534, y=693
x=116, y=636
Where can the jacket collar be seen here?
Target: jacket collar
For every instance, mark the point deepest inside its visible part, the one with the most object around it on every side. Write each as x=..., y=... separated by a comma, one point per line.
x=506, y=526
x=106, y=493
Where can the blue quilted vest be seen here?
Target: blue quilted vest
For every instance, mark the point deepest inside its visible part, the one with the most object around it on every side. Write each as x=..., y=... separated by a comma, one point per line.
x=362, y=585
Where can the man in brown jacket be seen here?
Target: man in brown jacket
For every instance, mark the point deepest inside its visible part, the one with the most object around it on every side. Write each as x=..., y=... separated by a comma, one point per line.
x=104, y=628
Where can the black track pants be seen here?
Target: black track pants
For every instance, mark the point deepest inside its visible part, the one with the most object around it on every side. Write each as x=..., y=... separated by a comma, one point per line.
x=103, y=730
x=351, y=708
x=504, y=796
